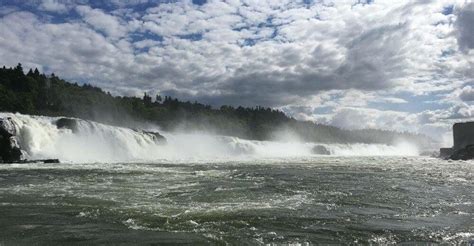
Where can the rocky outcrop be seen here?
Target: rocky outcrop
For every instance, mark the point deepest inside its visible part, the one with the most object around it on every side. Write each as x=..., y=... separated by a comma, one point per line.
x=320, y=150
x=67, y=123
x=10, y=150
x=465, y=153
x=463, y=143
x=445, y=152
x=463, y=135
x=40, y=161
x=158, y=138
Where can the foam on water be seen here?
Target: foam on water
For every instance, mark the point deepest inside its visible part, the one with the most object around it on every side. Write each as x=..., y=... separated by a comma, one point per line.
x=360, y=149
x=94, y=142
x=345, y=199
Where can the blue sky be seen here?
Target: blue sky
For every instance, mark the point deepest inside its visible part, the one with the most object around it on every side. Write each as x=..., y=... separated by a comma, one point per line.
x=403, y=65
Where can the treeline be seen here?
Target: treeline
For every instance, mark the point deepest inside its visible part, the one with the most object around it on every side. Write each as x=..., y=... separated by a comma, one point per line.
x=37, y=93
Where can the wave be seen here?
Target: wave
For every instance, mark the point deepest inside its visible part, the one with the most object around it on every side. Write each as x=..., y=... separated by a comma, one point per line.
x=40, y=138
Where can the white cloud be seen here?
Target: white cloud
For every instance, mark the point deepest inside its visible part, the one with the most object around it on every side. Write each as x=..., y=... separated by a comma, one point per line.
x=53, y=6
x=7, y=10
x=328, y=61
x=360, y=118
x=462, y=111
x=433, y=123
x=467, y=93
x=101, y=21
x=465, y=28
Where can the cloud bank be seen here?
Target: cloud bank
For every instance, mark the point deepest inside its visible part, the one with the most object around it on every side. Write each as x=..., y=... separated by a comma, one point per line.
x=403, y=65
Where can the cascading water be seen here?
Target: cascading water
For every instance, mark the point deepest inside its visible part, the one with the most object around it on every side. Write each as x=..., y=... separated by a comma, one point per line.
x=40, y=138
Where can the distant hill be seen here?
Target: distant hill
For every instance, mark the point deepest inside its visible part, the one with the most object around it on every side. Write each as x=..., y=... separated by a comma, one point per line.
x=36, y=93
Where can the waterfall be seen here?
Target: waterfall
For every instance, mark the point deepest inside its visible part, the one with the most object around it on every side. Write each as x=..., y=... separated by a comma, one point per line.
x=39, y=137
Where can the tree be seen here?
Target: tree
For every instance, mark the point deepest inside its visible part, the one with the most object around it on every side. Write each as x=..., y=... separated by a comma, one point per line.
x=146, y=99
x=19, y=69
x=36, y=73
x=30, y=73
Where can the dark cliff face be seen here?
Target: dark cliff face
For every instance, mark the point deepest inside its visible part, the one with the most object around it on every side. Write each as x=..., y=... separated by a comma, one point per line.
x=9, y=149
x=67, y=123
x=320, y=150
x=463, y=138
x=157, y=137
x=463, y=134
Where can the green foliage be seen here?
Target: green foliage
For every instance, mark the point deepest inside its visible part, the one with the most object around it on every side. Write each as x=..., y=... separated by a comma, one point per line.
x=36, y=93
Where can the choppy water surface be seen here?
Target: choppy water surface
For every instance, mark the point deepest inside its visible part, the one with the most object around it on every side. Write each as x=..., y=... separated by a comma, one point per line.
x=309, y=201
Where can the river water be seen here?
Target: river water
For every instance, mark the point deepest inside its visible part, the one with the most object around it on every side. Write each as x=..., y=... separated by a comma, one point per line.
x=306, y=201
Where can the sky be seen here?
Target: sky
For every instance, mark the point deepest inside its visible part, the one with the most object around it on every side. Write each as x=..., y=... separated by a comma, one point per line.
x=398, y=65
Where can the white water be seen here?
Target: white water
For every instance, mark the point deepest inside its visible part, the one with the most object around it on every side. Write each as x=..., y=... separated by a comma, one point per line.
x=94, y=142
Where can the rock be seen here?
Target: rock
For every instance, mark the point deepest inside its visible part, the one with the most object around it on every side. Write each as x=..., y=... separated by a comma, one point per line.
x=463, y=135
x=26, y=161
x=67, y=123
x=7, y=127
x=10, y=150
x=466, y=153
x=463, y=147
x=158, y=138
x=41, y=161
x=320, y=150
x=445, y=152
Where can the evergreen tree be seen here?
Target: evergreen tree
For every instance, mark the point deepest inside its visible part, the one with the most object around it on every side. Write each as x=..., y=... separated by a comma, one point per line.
x=158, y=98
x=146, y=99
x=36, y=73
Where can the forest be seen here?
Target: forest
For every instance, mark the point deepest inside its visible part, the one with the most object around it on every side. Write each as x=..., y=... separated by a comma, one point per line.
x=39, y=94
